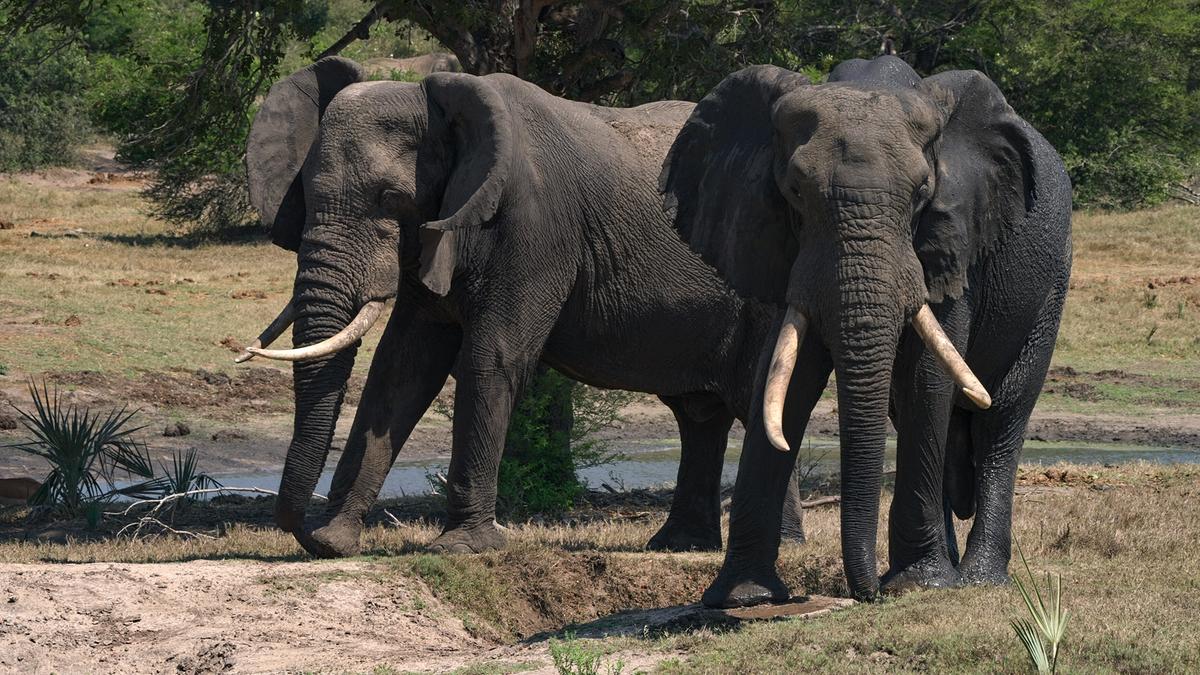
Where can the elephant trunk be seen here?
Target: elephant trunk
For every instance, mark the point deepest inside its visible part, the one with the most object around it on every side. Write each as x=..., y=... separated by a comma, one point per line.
x=324, y=305
x=862, y=329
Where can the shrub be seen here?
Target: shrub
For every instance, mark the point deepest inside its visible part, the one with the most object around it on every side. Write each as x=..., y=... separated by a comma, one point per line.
x=43, y=117
x=86, y=452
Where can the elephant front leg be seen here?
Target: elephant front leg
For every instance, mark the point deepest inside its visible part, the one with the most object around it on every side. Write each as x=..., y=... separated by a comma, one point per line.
x=998, y=436
x=694, y=523
x=923, y=397
x=748, y=575
x=410, y=367
x=483, y=403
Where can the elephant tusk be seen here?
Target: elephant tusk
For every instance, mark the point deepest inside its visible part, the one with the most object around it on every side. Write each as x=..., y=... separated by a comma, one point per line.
x=352, y=333
x=271, y=333
x=927, y=326
x=783, y=362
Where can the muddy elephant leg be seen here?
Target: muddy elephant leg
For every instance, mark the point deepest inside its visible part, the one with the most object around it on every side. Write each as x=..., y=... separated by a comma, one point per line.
x=923, y=398
x=998, y=434
x=410, y=367
x=694, y=523
x=748, y=575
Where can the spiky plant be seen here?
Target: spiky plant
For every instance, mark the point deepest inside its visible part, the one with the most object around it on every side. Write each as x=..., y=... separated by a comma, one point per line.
x=184, y=475
x=86, y=451
x=1042, y=636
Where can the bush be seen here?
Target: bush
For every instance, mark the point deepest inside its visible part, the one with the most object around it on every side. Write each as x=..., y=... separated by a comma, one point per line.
x=42, y=113
x=86, y=452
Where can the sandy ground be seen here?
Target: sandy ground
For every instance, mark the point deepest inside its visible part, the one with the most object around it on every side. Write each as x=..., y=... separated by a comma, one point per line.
x=213, y=616
x=210, y=616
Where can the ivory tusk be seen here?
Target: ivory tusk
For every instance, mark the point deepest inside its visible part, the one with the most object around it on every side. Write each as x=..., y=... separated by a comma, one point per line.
x=783, y=362
x=271, y=333
x=927, y=326
x=352, y=333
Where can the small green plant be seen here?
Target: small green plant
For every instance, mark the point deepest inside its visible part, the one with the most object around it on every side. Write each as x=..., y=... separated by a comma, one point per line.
x=571, y=657
x=1049, y=618
x=86, y=452
x=3, y=370
x=184, y=475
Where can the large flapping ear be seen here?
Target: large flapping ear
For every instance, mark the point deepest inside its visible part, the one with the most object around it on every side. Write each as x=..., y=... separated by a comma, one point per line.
x=481, y=131
x=985, y=179
x=719, y=183
x=283, y=133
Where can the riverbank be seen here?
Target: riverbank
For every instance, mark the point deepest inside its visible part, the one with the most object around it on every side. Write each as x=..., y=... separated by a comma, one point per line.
x=1121, y=537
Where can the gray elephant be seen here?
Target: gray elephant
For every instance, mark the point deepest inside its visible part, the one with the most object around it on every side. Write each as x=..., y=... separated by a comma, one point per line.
x=918, y=232
x=511, y=226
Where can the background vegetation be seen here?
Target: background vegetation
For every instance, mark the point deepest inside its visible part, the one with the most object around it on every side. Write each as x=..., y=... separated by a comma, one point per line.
x=1114, y=85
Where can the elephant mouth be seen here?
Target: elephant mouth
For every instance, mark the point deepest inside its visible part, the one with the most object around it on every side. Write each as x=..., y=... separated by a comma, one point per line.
x=352, y=333
x=787, y=347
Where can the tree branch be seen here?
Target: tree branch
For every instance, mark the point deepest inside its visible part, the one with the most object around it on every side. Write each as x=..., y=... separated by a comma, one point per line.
x=360, y=31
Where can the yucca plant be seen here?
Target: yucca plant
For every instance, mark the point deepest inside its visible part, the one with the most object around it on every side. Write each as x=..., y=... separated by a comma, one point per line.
x=86, y=451
x=184, y=475
x=1043, y=636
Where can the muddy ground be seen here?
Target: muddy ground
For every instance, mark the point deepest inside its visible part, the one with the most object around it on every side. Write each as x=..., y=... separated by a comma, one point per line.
x=241, y=422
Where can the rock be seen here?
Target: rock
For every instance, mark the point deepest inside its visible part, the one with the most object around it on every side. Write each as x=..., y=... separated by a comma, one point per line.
x=176, y=429
x=215, y=379
x=224, y=435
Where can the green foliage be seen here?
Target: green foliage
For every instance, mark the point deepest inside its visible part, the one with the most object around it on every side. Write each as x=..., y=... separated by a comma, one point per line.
x=86, y=452
x=549, y=439
x=1114, y=86
x=42, y=113
x=572, y=657
x=184, y=475
x=1048, y=614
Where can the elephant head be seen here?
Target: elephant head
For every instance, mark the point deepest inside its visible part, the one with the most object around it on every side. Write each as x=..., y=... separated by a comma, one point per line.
x=371, y=184
x=855, y=203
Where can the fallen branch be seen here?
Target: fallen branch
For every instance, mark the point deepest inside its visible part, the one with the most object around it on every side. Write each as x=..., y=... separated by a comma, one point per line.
x=394, y=519
x=147, y=520
x=821, y=501
x=163, y=501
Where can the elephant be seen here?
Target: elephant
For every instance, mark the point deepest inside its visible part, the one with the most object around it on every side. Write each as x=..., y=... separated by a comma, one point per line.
x=915, y=236
x=510, y=227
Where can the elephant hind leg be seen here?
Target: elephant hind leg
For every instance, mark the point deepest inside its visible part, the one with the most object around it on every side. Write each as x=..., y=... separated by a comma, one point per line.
x=694, y=522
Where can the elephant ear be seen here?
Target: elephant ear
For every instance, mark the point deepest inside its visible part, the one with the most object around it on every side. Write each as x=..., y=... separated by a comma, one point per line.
x=284, y=131
x=481, y=134
x=719, y=183
x=985, y=179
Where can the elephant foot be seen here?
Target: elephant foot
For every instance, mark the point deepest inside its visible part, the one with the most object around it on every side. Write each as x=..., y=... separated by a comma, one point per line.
x=983, y=571
x=938, y=573
x=673, y=536
x=335, y=540
x=742, y=587
x=475, y=539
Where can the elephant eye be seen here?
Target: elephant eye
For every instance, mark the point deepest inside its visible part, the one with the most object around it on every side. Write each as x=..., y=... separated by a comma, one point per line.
x=924, y=190
x=391, y=199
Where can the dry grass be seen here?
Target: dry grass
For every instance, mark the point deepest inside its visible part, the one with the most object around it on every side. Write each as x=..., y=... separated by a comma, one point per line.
x=142, y=297
x=1135, y=293
x=1122, y=538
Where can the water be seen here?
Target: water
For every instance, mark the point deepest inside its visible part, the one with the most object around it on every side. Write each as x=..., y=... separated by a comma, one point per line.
x=654, y=463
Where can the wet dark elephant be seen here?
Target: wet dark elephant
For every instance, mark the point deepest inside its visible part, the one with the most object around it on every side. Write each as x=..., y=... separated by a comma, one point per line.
x=510, y=226
x=918, y=233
